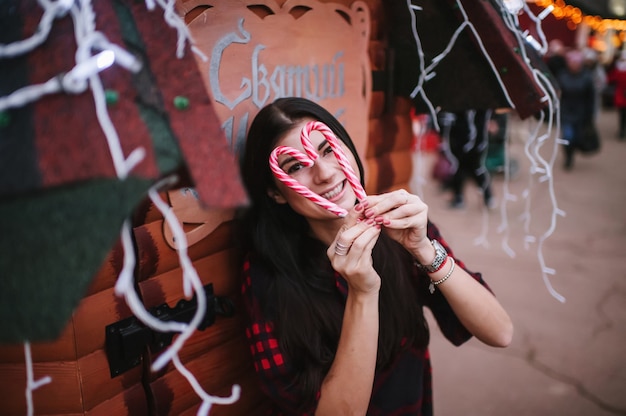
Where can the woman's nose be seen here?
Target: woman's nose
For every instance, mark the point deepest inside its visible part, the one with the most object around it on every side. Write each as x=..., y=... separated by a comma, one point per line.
x=324, y=168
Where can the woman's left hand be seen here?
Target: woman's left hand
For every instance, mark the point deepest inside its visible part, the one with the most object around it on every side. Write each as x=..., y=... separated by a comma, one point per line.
x=404, y=217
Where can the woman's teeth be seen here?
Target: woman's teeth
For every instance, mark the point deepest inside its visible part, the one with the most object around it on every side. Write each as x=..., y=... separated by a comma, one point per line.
x=334, y=192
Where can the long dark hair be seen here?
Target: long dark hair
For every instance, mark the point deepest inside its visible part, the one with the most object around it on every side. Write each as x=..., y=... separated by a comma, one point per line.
x=298, y=292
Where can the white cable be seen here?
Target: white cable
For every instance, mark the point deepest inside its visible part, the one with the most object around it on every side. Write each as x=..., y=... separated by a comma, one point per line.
x=495, y=71
x=481, y=239
x=190, y=276
x=207, y=400
x=532, y=147
x=31, y=383
x=52, y=10
x=424, y=75
x=539, y=165
x=506, y=197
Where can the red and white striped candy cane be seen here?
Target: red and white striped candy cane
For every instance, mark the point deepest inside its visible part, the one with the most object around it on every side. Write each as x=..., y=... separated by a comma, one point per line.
x=309, y=159
x=337, y=149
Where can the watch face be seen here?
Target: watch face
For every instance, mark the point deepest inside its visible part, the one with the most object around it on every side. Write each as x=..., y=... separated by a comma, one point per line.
x=440, y=256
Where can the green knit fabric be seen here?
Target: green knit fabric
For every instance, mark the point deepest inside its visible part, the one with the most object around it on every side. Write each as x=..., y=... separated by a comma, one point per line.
x=52, y=244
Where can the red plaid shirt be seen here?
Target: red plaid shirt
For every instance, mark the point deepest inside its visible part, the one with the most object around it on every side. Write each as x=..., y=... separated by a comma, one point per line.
x=405, y=388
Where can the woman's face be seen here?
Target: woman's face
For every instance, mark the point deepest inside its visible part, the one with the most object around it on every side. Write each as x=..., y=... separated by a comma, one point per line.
x=325, y=177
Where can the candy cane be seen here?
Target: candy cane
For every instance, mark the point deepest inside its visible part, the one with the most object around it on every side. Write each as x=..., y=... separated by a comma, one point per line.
x=309, y=159
x=337, y=149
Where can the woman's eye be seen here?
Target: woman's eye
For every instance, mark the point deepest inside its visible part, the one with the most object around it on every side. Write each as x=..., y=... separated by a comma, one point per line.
x=327, y=150
x=294, y=168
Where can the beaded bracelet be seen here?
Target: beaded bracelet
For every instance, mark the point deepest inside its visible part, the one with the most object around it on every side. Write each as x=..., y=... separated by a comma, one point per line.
x=432, y=285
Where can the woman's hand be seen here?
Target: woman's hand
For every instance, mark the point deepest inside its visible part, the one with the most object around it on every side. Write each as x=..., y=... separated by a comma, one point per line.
x=404, y=216
x=351, y=252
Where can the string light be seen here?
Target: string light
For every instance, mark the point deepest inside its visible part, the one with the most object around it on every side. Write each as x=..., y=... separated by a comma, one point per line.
x=513, y=6
x=31, y=383
x=574, y=17
x=538, y=165
x=83, y=76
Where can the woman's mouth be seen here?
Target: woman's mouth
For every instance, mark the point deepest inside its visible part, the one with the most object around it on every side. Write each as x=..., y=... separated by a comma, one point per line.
x=334, y=193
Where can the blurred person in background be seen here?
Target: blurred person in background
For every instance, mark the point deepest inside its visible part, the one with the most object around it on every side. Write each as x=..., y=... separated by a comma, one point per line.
x=617, y=77
x=577, y=102
x=555, y=58
x=468, y=138
x=598, y=74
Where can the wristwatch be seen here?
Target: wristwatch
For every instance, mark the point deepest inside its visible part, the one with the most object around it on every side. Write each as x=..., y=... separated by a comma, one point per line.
x=440, y=257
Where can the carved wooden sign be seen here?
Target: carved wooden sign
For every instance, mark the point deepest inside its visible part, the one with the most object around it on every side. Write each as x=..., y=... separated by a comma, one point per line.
x=256, y=51
x=260, y=50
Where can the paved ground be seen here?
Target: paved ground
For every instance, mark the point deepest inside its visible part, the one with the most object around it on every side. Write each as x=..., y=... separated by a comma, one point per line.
x=567, y=358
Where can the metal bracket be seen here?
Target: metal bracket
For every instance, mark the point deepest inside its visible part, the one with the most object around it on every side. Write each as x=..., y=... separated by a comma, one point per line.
x=126, y=340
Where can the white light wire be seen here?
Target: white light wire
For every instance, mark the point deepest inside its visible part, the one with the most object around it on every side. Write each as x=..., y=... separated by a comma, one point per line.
x=423, y=74
x=426, y=72
x=176, y=22
x=52, y=10
x=547, y=166
x=532, y=146
x=507, y=197
x=31, y=383
x=84, y=75
x=419, y=134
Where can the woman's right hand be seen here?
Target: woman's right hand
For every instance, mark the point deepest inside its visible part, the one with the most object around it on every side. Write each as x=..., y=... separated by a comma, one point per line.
x=351, y=252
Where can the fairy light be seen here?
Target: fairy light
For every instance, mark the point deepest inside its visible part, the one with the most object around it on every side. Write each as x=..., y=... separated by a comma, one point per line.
x=427, y=72
x=31, y=383
x=574, y=16
x=533, y=42
x=191, y=280
x=419, y=129
x=85, y=76
x=207, y=400
x=52, y=10
x=507, y=197
x=513, y=6
x=538, y=165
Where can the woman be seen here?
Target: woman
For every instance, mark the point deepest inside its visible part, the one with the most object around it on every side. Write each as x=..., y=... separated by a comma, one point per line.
x=336, y=304
x=577, y=104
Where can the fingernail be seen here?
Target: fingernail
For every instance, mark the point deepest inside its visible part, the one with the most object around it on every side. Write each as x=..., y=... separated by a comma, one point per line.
x=369, y=213
x=358, y=207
